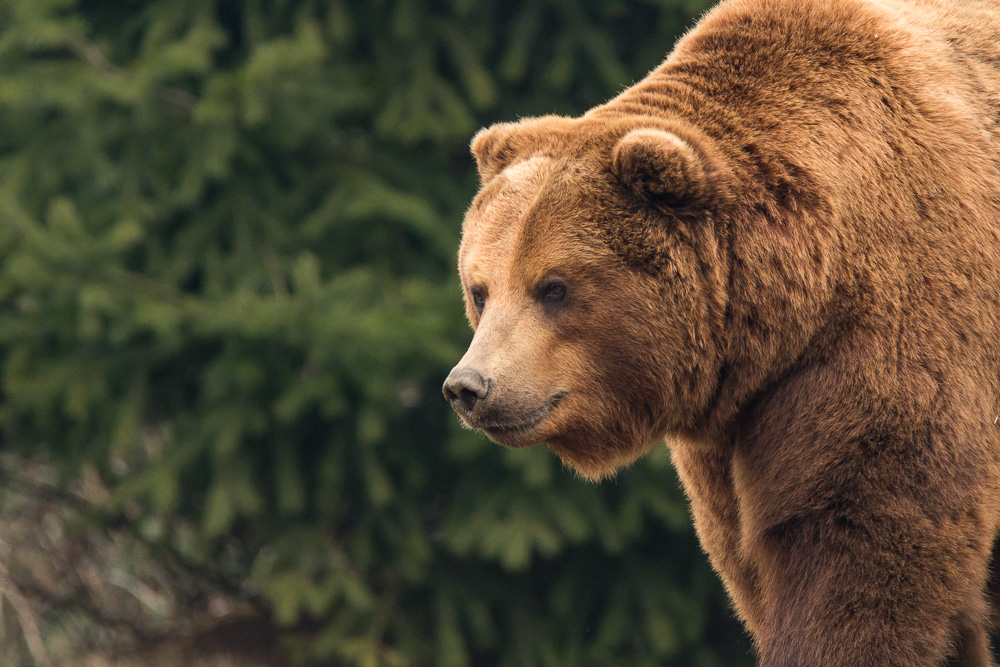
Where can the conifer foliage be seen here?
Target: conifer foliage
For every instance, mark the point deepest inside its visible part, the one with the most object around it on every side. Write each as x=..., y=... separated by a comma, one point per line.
x=227, y=245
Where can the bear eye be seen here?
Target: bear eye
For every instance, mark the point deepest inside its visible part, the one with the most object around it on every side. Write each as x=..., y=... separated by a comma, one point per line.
x=552, y=291
x=478, y=297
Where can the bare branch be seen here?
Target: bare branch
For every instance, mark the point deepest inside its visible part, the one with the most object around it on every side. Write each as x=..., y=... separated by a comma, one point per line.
x=26, y=619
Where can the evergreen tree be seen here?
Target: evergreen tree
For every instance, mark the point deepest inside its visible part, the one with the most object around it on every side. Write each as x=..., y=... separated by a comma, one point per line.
x=227, y=246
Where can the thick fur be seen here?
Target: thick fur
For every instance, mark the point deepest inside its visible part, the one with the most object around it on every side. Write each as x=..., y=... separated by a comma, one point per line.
x=780, y=251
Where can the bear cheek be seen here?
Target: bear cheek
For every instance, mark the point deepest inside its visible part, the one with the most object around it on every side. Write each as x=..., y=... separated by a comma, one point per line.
x=608, y=420
x=596, y=442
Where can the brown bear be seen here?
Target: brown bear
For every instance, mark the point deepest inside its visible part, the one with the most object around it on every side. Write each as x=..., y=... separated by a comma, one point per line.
x=780, y=251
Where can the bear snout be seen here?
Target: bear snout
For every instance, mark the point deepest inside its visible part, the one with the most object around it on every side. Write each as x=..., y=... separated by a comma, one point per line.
x=464, y=388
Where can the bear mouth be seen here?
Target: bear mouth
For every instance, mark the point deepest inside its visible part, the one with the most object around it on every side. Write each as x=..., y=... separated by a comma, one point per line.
x=513, y=433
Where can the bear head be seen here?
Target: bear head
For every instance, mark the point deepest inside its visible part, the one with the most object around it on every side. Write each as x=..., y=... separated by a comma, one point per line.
x=594, y=271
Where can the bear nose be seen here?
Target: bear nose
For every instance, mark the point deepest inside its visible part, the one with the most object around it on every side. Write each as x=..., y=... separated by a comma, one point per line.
x=464, y=388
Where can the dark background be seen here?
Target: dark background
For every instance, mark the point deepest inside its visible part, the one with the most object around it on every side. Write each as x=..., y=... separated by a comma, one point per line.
x=228, y=299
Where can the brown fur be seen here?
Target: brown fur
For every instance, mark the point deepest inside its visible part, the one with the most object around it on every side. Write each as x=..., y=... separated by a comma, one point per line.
x=780, y=251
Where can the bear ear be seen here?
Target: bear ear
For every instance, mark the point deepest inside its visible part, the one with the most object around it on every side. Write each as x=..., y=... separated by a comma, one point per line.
x=496, y=147
x=493, y=149
x=666, y=170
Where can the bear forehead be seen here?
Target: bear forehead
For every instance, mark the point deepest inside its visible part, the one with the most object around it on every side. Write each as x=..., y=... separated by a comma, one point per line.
x=528, y=220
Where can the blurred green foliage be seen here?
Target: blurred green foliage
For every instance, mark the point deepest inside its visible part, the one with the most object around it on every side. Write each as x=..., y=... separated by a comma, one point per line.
x=227, y=243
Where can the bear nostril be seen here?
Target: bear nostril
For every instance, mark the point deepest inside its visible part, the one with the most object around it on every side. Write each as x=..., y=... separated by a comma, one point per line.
x=464, y=388
x=468, y=399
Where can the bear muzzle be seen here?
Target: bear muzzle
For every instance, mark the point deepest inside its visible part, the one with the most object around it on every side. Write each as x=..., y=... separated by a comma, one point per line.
x=473, y=397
